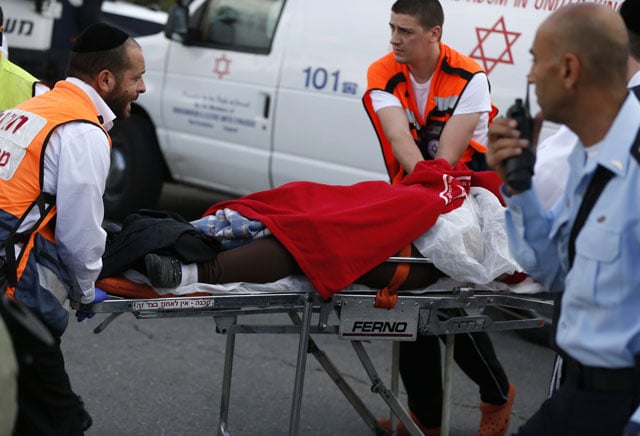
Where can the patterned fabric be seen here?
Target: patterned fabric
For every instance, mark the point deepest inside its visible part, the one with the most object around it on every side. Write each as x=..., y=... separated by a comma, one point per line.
x=231, y=228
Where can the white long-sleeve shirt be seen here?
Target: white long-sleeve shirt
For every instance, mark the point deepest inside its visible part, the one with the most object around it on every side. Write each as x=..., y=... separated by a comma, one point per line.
x=76, y=165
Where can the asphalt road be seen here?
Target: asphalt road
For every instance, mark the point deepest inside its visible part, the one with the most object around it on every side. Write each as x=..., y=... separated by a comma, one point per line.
x=163, y=376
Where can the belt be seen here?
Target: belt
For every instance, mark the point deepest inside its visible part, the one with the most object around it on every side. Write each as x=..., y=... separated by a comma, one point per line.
x=618, y=380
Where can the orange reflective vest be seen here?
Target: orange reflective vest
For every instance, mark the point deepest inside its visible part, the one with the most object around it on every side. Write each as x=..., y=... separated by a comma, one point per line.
x=36, y=276
x=452, y=74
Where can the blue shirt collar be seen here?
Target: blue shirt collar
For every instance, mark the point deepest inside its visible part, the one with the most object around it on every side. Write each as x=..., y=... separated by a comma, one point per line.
x=614, y=150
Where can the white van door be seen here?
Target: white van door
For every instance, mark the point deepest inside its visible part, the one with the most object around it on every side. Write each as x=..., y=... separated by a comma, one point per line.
x=219, y=92
x=322, y=132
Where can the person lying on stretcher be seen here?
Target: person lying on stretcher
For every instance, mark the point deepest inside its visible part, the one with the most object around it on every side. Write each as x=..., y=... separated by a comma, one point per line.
x=339, y=235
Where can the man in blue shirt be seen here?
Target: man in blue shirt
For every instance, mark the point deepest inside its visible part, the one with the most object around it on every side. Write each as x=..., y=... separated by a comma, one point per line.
x=580, y=56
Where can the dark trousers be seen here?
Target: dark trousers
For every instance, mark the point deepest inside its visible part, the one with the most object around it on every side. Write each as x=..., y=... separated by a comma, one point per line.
x=421, y=372
x=47, y=406
x=572, y=411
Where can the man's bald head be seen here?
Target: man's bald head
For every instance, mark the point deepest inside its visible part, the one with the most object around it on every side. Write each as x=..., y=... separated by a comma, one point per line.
x=596, y=35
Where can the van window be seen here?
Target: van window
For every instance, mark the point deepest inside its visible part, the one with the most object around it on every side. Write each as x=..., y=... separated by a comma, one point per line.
x=242, y=25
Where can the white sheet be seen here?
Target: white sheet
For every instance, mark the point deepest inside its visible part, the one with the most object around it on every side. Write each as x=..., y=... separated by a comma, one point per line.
x=301, y=284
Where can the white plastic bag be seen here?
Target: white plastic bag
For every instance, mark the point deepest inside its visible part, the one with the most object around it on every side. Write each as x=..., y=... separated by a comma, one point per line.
x=469, y=244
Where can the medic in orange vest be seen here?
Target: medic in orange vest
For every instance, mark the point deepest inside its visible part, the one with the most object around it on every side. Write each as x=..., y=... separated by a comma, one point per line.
x=428, y=101
x=454, y=73
x=54, y=162
x=31, y=256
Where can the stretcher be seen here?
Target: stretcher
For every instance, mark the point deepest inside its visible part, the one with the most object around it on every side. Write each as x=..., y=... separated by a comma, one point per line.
x=351, y=315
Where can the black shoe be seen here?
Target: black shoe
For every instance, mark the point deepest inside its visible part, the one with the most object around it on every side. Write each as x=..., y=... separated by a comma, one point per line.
x=163, y=271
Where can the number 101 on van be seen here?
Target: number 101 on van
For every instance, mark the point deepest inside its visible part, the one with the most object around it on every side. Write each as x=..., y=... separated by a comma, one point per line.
x=320, y=79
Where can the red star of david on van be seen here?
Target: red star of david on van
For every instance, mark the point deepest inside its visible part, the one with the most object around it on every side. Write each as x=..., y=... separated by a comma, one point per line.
x=490, y=42
x=221, y=67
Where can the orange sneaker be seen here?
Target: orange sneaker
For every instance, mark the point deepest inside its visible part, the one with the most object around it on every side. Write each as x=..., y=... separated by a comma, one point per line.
x=402, y=430
x=496, y=417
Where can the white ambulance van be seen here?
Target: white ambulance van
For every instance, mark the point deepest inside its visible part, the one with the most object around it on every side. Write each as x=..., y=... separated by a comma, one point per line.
x=245, y=95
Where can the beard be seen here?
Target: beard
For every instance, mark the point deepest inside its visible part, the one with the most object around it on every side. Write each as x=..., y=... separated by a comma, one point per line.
x=119, y=102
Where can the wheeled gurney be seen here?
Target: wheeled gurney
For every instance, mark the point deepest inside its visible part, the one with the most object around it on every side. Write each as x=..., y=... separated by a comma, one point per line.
x=350, y=315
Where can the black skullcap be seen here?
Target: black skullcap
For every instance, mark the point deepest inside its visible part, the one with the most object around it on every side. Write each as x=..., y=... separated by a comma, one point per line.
x=99, y=37
x=630, y=11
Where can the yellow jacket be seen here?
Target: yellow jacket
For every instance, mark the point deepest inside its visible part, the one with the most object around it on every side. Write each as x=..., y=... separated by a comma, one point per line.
x=17, y=84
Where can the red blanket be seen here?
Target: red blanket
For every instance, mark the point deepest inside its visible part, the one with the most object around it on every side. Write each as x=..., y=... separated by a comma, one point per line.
x=338, y=233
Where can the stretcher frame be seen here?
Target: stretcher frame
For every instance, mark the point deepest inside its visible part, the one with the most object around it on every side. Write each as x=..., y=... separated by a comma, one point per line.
x=413, y=315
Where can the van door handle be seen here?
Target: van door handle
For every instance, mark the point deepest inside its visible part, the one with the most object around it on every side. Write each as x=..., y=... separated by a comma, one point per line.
x=267, y=103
